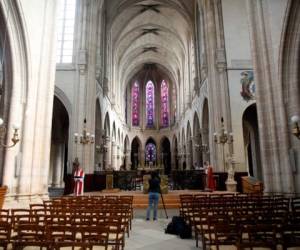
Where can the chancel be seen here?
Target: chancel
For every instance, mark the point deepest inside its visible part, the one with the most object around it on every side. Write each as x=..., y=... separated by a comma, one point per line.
x=133, y=87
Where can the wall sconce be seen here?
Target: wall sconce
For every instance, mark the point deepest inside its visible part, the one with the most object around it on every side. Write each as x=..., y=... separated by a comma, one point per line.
x=15, y=139
x=85, y=137
x=296, y=129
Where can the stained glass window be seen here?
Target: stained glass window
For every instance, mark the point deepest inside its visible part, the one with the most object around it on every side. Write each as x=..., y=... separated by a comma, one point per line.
x=150, y=104
x=174, y=104
x=135, y=93
x=150, y=152
x=164, y=94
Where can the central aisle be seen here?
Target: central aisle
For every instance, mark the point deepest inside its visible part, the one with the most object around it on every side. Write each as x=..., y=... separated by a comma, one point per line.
x=149, y=235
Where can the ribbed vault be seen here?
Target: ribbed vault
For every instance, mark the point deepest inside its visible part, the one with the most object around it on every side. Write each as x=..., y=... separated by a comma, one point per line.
x=145, y=32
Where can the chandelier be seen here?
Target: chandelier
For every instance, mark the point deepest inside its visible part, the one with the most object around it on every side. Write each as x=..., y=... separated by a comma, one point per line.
x=85, y=137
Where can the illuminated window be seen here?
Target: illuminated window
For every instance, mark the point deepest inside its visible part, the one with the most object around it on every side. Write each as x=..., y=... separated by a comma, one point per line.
x=150, y=104
x=135, y=96
x=150, y=152
x=65, y=30
x=174, y=104
x=164, y=94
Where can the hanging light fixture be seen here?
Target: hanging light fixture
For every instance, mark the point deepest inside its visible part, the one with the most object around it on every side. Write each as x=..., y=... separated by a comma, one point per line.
x=85, y=137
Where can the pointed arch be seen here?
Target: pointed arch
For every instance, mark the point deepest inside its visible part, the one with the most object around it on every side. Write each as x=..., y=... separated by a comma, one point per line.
x=150, y=151
x=107, y=125
x=175, y=156
x=165, y=151
x=197, y=140
x=189, y=146
x=136, y=148
x=98, y=133
x=113, y=134
x=205, y=129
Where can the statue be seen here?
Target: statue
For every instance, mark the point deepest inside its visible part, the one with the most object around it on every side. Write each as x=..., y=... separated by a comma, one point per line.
x=230, y=182
x=230, y=168
x=248, y=86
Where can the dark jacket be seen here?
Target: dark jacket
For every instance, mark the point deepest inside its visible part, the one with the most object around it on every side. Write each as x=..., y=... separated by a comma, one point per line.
x=154, y=185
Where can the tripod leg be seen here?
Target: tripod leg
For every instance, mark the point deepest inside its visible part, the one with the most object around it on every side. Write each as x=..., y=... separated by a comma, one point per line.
x=162, y=199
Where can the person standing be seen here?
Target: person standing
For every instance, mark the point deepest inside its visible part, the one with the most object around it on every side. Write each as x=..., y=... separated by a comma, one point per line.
x=78, y=178
x=154, y=191
x=210, y=181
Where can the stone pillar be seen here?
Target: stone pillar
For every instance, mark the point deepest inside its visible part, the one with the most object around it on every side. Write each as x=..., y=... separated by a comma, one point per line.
x=142, y=158
x=274, y=143
x=188, y=155
x=196, y=151
x=108, y=154
x=128, y=159
x=118, y=156
x=58, y=164
x=218, y=90
x=113, y=155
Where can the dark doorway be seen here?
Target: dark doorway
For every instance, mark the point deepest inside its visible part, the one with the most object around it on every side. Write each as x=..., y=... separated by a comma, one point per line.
x=59, y=144
x=166, y=155
x=251, y=142
x=135, y=151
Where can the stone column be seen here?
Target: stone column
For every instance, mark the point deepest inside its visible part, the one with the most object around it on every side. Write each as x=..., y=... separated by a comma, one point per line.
x=113, y=155
x=118, y=156
x=196, y=150
x=128, y=159
x=218, y=90
x=142, y=158
x=274, y=146
x=58, y=164
x=108, y=154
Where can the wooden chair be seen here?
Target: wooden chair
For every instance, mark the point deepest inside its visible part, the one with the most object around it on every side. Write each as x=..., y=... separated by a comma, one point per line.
x=116, y=234
x=4, y=215
x=60, y=236
x=29, y=235
x=222, y=231
x=186, y=207
x=22, y=216
x=5, y=233
x=259, y=235
x=95, y=235
x=291, y=236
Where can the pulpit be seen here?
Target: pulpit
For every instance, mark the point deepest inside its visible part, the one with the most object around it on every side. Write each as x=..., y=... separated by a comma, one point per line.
x=109, y=181
x=251, y=185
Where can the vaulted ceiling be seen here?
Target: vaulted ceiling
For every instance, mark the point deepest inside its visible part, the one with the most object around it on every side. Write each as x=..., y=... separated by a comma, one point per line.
x=147, y=32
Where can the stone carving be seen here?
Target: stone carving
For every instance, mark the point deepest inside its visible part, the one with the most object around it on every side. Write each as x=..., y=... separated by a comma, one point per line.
x=248, y=85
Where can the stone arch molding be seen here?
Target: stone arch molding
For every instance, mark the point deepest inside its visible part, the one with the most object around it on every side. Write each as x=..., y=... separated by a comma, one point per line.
x=20, y=65
x=64, y=99
x=289, y=69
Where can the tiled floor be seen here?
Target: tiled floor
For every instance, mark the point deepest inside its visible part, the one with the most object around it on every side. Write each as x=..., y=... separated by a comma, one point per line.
x=150, y=235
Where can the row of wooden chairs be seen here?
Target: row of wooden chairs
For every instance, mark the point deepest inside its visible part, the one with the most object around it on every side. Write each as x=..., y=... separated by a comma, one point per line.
x=25, y=232
x=243, y=221
x=68, y=222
